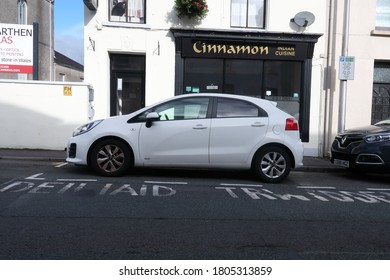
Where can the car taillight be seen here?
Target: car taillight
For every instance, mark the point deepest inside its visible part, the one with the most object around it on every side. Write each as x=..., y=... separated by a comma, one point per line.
x=292, y=124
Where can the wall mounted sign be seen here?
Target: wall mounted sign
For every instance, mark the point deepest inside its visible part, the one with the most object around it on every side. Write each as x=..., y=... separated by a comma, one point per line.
x=251, y=50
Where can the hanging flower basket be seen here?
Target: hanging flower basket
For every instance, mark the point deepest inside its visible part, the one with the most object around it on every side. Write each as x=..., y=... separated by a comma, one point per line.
x=193, y=9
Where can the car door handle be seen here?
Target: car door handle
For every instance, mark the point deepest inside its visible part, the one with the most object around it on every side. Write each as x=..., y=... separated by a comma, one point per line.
x=199, y=127
x=258, y=124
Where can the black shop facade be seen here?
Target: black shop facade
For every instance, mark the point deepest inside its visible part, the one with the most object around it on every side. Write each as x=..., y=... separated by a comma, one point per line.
x=273, y=66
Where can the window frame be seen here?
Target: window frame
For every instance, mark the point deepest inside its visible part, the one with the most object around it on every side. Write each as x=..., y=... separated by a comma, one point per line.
x=381, y=27
x=247, y=16
x=125, y=18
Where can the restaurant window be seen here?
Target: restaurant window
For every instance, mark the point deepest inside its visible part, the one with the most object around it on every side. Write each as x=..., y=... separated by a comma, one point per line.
x=274, y=80
x=203, y=75
x=278, y=81
x=131, y=11
x=247, y=13
x=382, y=14
x=282, y=84
x=223, y=75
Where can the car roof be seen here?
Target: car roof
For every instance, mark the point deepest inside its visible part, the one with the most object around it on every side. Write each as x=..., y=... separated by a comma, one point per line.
x=226, y=95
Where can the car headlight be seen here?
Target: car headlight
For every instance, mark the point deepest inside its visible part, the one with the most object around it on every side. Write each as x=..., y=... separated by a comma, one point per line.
x=375, y=138
x=85, y=128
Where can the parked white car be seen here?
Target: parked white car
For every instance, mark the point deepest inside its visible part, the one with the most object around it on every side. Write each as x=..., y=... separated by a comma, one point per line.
x=193, y=131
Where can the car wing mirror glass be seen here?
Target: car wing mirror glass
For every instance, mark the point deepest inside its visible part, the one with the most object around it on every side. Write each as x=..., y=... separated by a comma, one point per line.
x=150, y=118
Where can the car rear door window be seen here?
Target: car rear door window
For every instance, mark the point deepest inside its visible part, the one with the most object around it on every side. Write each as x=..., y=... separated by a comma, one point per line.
x=232, y=108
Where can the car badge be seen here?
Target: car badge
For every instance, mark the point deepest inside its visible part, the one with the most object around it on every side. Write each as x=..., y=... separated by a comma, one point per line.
x=343, y=140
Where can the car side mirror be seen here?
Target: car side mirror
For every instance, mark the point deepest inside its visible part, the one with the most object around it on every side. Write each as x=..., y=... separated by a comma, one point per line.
x=150, y=118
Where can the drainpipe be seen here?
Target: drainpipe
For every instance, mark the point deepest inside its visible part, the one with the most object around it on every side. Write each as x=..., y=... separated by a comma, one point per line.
x=328, y=106
x=51, y=3
x=343, y=83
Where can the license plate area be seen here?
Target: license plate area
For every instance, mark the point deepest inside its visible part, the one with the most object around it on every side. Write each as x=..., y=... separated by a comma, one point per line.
x=340, y=162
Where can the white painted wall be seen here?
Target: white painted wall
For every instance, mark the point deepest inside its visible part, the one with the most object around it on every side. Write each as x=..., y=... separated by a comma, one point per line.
x=37, y=115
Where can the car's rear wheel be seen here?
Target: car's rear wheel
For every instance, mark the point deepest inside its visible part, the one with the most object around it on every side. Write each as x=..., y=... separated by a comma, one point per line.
x=271, y=164
x=111, y=157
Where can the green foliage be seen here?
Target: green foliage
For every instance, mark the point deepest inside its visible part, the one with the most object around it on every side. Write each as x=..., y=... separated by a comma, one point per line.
x=196, y=9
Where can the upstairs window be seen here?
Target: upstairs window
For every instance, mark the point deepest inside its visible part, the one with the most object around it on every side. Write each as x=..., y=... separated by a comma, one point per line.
x=247, y=13
x=132, y=11
x=382, y=15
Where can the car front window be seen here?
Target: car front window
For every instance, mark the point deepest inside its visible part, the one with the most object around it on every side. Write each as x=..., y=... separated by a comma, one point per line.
x=182, y=109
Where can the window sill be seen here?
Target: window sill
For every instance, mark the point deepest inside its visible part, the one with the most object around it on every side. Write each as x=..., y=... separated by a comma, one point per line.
x=126, y=25
x=382, y=33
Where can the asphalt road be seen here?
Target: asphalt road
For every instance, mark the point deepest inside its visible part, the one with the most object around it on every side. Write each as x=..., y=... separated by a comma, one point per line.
x=51, y=210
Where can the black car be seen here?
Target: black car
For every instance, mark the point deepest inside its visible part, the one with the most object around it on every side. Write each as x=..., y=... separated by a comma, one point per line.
x=365, y=148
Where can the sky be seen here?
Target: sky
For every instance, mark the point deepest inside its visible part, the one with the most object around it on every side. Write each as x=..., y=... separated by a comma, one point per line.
x=69, y=28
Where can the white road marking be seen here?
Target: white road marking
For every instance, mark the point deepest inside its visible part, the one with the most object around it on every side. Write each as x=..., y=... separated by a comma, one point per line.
x=169, y=183
x=240, y=185
x=315, y=187
x=35, y=177
x=61, y=164
x=377, y=189
x=77, y=180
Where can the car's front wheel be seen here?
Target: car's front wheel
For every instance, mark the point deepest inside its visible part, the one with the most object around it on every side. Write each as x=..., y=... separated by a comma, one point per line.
x=272, y=164
x=110, y=157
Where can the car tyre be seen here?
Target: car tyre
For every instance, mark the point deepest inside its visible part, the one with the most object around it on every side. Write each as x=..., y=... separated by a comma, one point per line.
x=271, y=164
x=111, y=157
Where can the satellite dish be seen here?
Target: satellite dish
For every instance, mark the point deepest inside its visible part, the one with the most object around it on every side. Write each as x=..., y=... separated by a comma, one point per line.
x=304, y=19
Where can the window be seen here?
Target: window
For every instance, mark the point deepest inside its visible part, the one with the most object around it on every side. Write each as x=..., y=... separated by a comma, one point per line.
x=184, y=109
x=381, y=92
x=132, y=11
x=236, y=76
x=203, y=75
x=243, y=76
x=382, y=14
x=247, y=13
x=22, y=12
x=230, y=108
x=282, y=83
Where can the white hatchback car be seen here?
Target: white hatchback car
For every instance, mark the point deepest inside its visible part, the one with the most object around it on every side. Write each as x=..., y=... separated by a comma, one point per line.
x=193, y=131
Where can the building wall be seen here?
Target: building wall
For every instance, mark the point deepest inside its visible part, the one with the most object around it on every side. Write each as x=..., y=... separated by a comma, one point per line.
x=155, y=41
x=41, y=12
x=366, y=45
x=66, y=74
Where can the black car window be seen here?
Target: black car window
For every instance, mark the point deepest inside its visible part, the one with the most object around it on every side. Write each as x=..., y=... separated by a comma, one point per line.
x=233, y=108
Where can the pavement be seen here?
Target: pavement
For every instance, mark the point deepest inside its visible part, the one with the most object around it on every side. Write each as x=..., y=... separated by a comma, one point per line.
x=310, y=164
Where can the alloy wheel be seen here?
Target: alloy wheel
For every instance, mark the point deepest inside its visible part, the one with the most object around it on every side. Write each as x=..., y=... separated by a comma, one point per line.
x=110, y=158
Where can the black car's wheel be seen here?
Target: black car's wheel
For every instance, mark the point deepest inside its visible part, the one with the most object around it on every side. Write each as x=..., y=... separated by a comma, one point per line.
x=272, y=164
x=111, y=157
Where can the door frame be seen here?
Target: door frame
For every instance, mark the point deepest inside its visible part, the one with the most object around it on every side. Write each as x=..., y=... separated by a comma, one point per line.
x=128, y=68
